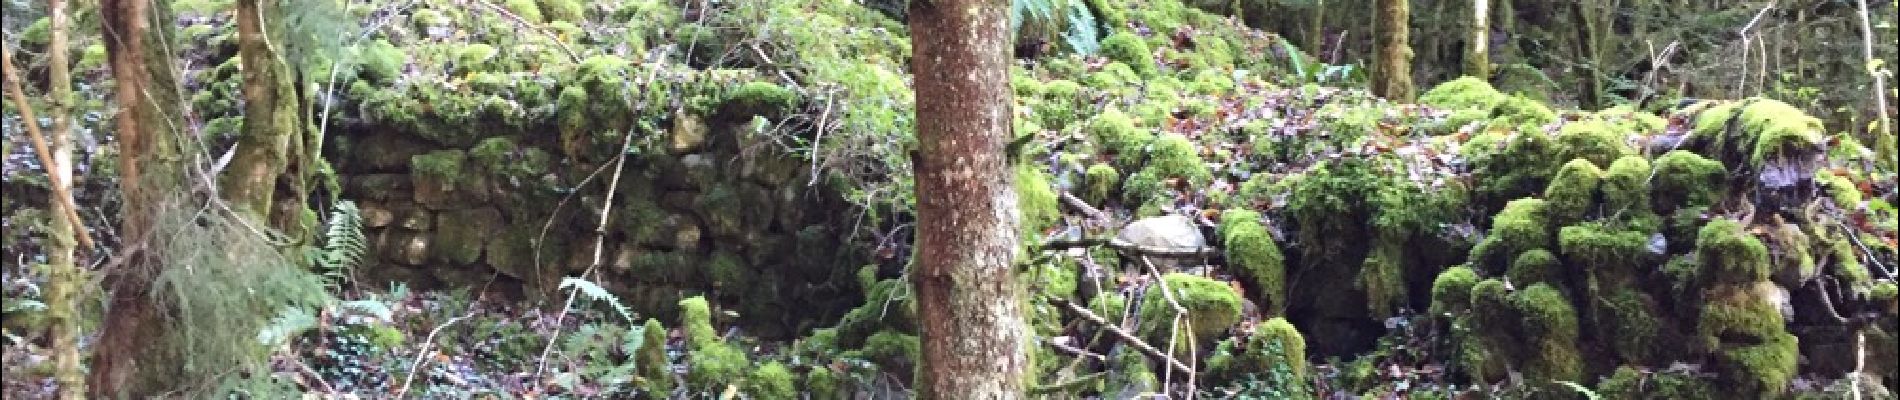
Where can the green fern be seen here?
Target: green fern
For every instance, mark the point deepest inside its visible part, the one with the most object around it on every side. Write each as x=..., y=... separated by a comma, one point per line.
x=1587, y=393
x=343, y=242
x=597, y=293
x=1082, y=35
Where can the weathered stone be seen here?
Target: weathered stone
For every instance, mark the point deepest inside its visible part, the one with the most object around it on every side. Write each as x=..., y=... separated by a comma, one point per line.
x=416, y=219
x=410, y=248
x=756, y=203
x=688, y=134
x=382, y=151
x=469, y=191
x=375, y=215
x=462, y=234
x=772, y=168
x=678, y=201
x=378, y=187
x=791, y=212
x=624, y=256
x=723, y=211
x=687, y=235
x=1170, y=232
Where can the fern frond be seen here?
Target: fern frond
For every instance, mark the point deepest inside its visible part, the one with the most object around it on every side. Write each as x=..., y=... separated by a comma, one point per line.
x=343, y=242
x=597, y=293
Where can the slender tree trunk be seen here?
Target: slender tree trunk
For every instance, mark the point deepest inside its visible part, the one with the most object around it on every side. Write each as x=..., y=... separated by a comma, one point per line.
x=1393, y=69
x=973, y=335
x=125, y=363
x=1478, y=50
x=1883, y=136
x=1316, y=32
x=1589, y=82
x=64, y=278
x=270, y=111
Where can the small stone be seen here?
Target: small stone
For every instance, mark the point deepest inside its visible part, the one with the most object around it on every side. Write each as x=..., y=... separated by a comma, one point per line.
x=414, y=250
x=375, y=215
x=688, y=133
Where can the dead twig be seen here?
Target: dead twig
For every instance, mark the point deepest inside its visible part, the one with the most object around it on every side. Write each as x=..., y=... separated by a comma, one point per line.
x=1125, y=246
x=1119, y=333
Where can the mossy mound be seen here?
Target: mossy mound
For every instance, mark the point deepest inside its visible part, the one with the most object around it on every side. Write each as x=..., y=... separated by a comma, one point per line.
x=1212, y=307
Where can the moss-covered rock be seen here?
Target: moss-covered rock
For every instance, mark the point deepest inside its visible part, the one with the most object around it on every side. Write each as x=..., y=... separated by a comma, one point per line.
x=1573, y=191
x=1552, y=321
x=1613, y=256
x=1116, y=132
x=650, y=359
x=1451, y=291
x=1212, y=306
x=1272, y=344
x=772, y=381
x=1685, y=179
x=1634, y=383
x=1633, y=325
x=711, y=367
x=1128, y=49
x=763, y=99
x=1524, y=224
x=696, y=320
x=569, y=11
x=1036, y=197
x=1591, y=139
x=1729, y=254
x=1536, y=266
x=1100, y=182
x=1173, y=156
x=1253, y=255
x=1626, y=187
x=1761, y=370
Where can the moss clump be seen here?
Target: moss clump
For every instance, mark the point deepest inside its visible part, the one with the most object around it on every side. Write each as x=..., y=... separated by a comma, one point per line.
x=1254, y=255
x=1101, y=180
x=1781, y=130
x=1273, y=343
x=822, y=384
x=1519, y=111
x=1036, y=197
x=1839, y=188
x=1761, y=370
x=1626, y=186
x=1738, y=312
x=1626, y=119
x=1590, y=139
x=713, y=366
x=382, y=62
x=1126, y=48
x=1613, y=256
x=1633, y=326
x=474, y=57
x=1451, y=291
x=526, y=9
x=1061, y=100
x=1637, y=384
x=443, y=167
x=891, y=351
x=756, y=98
x=569, y=11
x=1522, y=225
x=696, y=318
x=730, y=273
x=1686, y=180
x=771, y=381
x=1173, y=156
x=1463, y=93
x=1211, y=306
x=650, y=359
x=1535, y=266
x=1552, y=321
x=1729, y=254
x=1573, y=191
x=1116, y=132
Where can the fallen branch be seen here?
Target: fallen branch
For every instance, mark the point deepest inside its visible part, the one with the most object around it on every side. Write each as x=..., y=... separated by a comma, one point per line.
x=1075, y=351
x=62, y=191
x=1083, y=206
x=1125, y=246
x=1068, y=385
x=1125, y=337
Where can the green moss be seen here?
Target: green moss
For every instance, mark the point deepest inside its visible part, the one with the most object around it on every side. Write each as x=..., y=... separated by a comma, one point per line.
x=1730, y=254
x=1522, y=225
x=1737, y=313
x=714, y=366
x=1110, y=13
x=1463, y=93
x=473, y=57
x=1573, y=191
x=1062, y=99
x=1640, y=384
x=696, y=319
x=771, y=381
x=1535, y=266
x=1272, y=343
x=1590, y=139
x=890, y=350
x=655, y=373
x=1101, y=181
x=1451, y=291
x=729, y=272
x=1633, y=326
x=1212, y=82
x=570, y=11
x=1128, y=49
x=756, y=98
x=1552, y=321
x=1212, y=306
x=821, y=384
x=1761, y=370
x=1518, y=111
x=1839, y=188
x=1253, y=255
x=442, y=166
x=1036, y=197
x=382, y=62
x=1613, y=256
x=1173, y=156
x=1625, y=119
x=1781, y=130
x=94, y=56
x=526, y=9
x=1626, y=186
x=1686, y=180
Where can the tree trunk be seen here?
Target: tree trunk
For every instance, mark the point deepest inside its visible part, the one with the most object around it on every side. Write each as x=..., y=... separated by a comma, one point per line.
x=63, y=275
x=1589, y=82
x=146, y=89
x=270, y=112
x=973, y=335
x=1883, y=135
x=1392, y=72
x=1478, y=50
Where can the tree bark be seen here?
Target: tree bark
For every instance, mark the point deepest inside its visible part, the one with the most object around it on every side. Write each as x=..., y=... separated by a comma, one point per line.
x=270, y=112
x=125, y=364
x=1883, y=136
x=1590, y=86
x=63, y=274
x=1478, y=50
x=1392, y=72
x=968, y=300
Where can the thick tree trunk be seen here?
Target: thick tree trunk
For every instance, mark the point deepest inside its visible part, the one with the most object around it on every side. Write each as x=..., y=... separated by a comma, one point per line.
x=973, y=335
x=270, y=112
x=64, y=279
x=1392, y=70
x=125, y=364
x=1478, y=50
